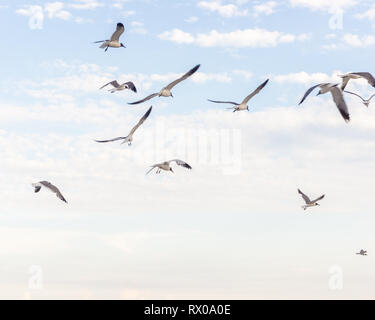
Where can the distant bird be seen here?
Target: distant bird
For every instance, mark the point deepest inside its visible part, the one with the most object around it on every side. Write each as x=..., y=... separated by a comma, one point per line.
x=119, y=87
x=50, y=187
x=309, y=203
x=337, y=96
x=243, y=105
x=166, y=91
x=129, y=137
x=362, y=252
x=166, y=166
x=114, y=42
x=357, y=75
x=365, y=102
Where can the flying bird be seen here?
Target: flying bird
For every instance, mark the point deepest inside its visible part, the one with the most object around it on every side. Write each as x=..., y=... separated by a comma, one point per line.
x=309, y=203
x=166, y=166
x=365, y=102
x=243, y=105
x=166, y=91
x=129, y=137
x=362, y=252
x=114, y=42
x=119, y=87
x=50, y=187
x=357, y=75
x=337, y=96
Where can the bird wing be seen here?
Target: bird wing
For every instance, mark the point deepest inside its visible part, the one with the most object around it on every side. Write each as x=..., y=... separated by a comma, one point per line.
x=153, y=167
x=355, y=94
x=320, y=198
x=113, y=83
x=368, y=76
x=338, y=98
x=181, y=163
x=53, y=189
x=305, y=197
x=145, y=116
x=185, y=76
x=110, y=140
x=131, y=86
x=235, y=103
x=310, y=90
x=256, y=91
x=145, y=99
x=119, y=31
x=345, y=80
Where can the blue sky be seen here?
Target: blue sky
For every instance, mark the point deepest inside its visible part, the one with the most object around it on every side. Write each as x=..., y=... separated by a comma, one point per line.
x=233, y=226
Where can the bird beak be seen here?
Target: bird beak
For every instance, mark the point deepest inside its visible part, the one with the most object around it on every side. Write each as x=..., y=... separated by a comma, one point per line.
x=318, y=94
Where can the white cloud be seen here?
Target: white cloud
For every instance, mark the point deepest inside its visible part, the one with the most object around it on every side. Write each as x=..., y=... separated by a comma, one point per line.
x=324, y=5
x=177, y=35
x=355, y=40
x=266, y=8
x=252, y=38
x=86, y=4
x=369, y=14
x=192, y=19
x=55, y=10
x=225, y=10
x=307, y=78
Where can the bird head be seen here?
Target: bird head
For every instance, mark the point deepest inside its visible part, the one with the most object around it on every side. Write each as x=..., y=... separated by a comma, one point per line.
x=317, y=204
x=122, y=45
x=171, y=95
x=170, y=169
x=319, y=93
x=247, y=108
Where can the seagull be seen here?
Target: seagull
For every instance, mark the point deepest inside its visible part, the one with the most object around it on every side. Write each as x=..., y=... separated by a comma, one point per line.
x=166, y=91
x=129, y=137
x=362, y=252
x=365, y=102
x=337, y=96
x=50, y=187
x=119, y=87
x=114, y=41
x=166, y=166
x=309, y=203
x=243, y=105
x=357, y=75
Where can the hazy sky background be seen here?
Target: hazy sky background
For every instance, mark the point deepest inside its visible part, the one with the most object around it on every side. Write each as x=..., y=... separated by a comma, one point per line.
x=233, y=226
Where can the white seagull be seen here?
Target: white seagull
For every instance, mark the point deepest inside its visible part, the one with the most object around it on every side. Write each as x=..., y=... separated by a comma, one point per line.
x=50, y=187
x=365, y=102
x=166, y=91
x=362, y=252
x=166, y=166
x=129, y=137
x=357, y=75
x=309, y=203
x=114, y=42
x=337, y=96
x=119, y=87
x=243, y=105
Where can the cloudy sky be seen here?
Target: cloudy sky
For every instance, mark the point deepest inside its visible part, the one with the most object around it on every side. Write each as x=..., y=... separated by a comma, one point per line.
x=231, y=228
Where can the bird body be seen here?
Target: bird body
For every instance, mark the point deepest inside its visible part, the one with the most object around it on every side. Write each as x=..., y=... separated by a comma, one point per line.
x=366, y=102
x=129, y=137
x=114, y=41
x=357, y=75
x=243, y=105
x=362, y=252
x=337, y=97
x=166, y=166
x=166, y=91
x=309, y=203
x=119, y=87
x=49, y=186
